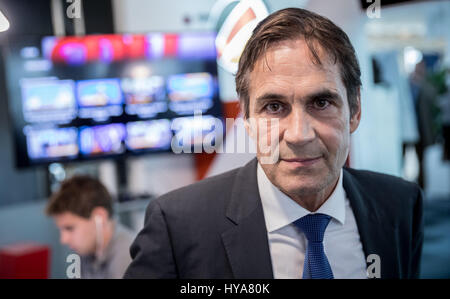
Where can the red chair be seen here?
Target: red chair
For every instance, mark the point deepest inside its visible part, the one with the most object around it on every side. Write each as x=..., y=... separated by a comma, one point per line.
x=25, y=261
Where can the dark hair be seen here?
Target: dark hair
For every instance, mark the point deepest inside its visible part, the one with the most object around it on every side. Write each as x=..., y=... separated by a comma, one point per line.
x=80, y=195
x=295, y=23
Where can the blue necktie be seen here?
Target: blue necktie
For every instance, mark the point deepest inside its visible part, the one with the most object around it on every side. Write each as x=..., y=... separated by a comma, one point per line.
x=316, y=262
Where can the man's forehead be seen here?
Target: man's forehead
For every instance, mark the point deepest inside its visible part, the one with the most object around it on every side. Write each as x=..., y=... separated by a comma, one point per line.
x=67, y=217
x=289, y=71
x=310, y=53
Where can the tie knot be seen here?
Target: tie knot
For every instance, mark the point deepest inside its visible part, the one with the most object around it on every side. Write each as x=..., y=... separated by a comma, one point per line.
x=313, y=226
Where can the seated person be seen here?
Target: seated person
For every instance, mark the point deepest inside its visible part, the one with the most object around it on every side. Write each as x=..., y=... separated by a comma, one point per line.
x=82, y=209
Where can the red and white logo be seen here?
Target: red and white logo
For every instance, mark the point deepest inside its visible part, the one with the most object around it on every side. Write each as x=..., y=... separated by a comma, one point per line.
x=236, y=31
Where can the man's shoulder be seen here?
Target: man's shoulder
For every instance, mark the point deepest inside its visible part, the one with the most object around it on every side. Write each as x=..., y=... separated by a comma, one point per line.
x=209, y=191
x=212, y=184
x=383, y=184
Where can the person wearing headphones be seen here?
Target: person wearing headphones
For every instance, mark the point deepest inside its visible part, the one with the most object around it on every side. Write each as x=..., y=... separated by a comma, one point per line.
x=82, y=209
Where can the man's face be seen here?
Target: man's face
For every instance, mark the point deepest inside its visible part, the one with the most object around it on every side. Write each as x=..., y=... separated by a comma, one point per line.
x=310, y=103
x=76, y=232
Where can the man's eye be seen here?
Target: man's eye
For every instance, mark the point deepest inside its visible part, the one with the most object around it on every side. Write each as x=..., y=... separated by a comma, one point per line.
x=321, y=103
x=274, y=107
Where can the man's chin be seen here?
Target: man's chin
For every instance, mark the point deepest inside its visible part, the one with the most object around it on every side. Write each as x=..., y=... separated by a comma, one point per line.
x=301, y=185
x=302, y=191
x=81, y=252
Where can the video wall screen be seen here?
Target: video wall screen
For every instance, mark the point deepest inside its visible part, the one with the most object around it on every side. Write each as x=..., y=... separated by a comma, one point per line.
x=96, y=96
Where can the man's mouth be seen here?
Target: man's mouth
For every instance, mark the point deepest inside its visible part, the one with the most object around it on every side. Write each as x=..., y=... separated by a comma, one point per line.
x=303, y=161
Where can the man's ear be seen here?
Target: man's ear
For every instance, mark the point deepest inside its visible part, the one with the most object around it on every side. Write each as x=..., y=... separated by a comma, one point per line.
x=356, y=117
x=100, y=212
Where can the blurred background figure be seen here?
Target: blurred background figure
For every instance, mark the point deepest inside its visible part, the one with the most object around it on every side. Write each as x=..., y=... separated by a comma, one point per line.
x=82, y=209
x=445, y=108
x=424, y=96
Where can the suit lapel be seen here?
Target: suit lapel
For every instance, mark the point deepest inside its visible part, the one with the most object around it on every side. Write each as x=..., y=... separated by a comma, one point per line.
x=246, y=242
x=377, y=235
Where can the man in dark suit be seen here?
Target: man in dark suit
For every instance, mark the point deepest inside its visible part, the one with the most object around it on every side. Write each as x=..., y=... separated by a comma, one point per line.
x=294, y=211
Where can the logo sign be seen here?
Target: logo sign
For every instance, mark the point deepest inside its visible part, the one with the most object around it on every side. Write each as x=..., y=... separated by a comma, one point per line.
x=74, y=10
x=373, y=11
x=74, y=268
x=236, y=31
x=374, y=268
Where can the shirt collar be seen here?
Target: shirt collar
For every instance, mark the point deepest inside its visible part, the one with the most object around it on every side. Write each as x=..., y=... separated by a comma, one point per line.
x=280, y=210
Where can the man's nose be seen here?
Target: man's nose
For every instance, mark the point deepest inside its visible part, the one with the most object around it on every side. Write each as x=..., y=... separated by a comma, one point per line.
x=64, y=238
x=299, y=128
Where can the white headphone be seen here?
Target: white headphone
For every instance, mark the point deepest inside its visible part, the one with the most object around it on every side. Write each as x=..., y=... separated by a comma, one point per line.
x=98, y=235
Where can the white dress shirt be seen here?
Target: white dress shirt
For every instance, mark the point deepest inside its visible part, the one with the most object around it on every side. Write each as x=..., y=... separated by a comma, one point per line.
x=287, y=244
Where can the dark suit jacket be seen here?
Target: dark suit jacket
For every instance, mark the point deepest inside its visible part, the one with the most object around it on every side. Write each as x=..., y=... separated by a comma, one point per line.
x=216, y=229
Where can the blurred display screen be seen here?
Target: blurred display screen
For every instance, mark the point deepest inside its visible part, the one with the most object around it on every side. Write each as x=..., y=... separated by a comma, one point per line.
x=93, y=93
x=143, y=90
x=106, y=139
x=153, y=134
x=78, y=98
x=99, y=99
x=189, y=93
x=187, y=87
x=51, y=143
x=48, y=100
x=191, y=131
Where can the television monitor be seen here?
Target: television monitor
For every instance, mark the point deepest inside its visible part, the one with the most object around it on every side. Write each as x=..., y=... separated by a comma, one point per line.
x=192, y=131
x=48, y=100
x=149, y=135
x=51, y=143
x=102, y=96
x=102, y=139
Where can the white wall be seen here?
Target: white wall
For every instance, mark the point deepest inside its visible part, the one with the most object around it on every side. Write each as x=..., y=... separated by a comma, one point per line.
x=133, y=16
